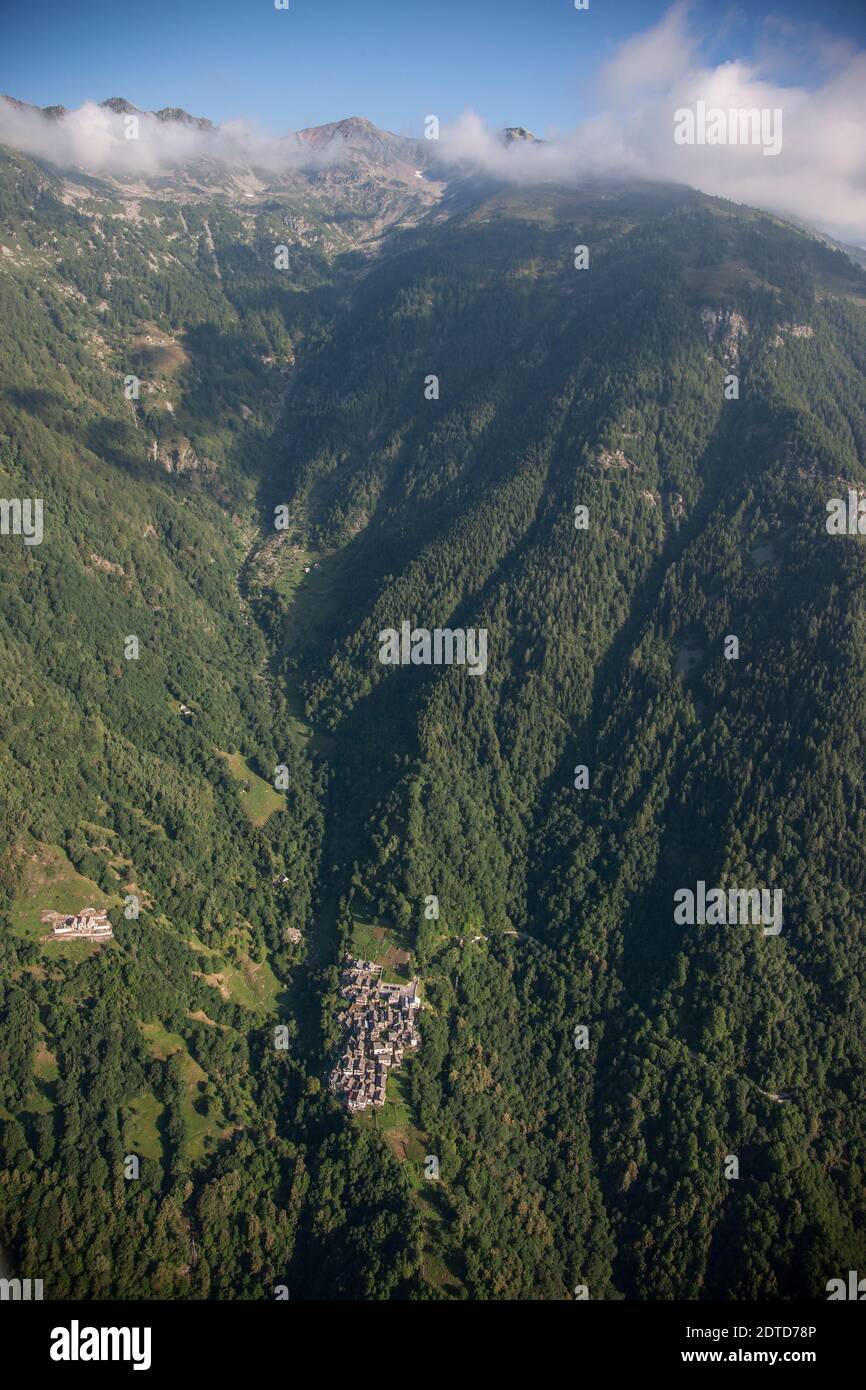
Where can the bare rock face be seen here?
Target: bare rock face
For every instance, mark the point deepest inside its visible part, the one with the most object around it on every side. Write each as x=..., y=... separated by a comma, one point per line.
x=349, y=181
x=614, y=459
x=725, y=329
x=178, y=456
x=181, y=117
x=99, y=562
x=517, y=133
x=121, y=107
x=796, y=330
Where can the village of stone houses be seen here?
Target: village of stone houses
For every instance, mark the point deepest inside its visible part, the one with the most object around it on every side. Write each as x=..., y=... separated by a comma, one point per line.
x=379, y=1023
x=379, y=1020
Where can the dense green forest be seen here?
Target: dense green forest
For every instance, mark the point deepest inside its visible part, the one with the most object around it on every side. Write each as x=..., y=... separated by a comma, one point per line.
x=282, y=485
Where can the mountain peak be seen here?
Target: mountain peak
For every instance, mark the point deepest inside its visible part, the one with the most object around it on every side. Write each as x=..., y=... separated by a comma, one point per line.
x=358, y=125
x=177, y=113
x=353, y=130
x=52, y=113
x=121, y=106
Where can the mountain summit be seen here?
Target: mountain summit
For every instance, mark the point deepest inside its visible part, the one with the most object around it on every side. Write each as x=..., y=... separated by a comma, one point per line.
x=515, y=134
x=122, y=107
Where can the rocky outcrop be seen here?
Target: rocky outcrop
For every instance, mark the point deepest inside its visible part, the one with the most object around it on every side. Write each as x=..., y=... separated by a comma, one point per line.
x=796, y=330
x=513, y=134
x=725, y=330
x=614, y=459
x=178, y=456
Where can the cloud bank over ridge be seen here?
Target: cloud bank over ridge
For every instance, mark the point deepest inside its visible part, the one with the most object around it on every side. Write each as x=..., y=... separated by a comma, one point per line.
x=818, y=173
x=94, y=137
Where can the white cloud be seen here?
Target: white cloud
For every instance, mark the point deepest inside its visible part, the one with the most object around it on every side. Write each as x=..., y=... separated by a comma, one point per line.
x=94, y=138
x=819, y=175
x=653, y=58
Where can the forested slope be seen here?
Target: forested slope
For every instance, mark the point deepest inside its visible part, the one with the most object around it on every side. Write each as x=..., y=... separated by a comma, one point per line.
x=606, y=388
x=161, y=1043
x=309, y=391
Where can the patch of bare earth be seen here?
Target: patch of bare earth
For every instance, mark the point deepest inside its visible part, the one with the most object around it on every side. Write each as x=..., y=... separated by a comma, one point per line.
x=398, y=1142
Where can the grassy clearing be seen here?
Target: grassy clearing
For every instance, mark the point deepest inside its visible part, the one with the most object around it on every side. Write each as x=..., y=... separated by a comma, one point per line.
x=157, y=353
x=76, y=951
x=396, y=1124
x=200, y=1128
x=247, y=983
x=45, y=1065
x=303, y=577
x=239, y=978
x=233, y=972
x=163, y=1044
x=385, y=946
x=300, y=733
x=153, y=826
x=439, y=1262
x=199, y=1016
x=260, y=799
x=41, y=1100
x=396, y=1118
x=261, y=984
x=51, y=883
x=199, y=946
x=141, y=1131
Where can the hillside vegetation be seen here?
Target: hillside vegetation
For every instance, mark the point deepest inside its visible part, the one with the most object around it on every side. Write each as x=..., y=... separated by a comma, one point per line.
x=304, y=393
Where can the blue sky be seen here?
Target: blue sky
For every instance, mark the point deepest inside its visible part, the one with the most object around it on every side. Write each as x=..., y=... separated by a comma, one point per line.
x=528, y=62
